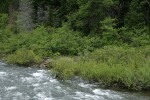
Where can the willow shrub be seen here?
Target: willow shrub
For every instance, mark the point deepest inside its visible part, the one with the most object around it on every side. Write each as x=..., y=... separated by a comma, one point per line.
x=121, y=66
x=23, y=57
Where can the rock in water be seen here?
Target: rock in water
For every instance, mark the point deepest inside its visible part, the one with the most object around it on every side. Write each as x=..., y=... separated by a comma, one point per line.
x=45, y=62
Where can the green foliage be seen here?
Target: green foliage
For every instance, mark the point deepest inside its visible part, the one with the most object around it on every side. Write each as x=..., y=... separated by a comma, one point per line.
x=109, y=34
x=31, y=41
x=90, y=13
x=135, y=16
x=39, y=41
x=23, y=57
x=5, y=32
x=58, y=41
x=3, y=20
x=140, y=37
x=124, y=66
x=50, y=41
x=111, y=21
x=68, y=42
x=67, y=70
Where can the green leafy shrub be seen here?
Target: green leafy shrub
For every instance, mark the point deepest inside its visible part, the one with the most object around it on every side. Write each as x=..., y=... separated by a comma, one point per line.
x=23, y=57
x=69, y=42
x=48, y=43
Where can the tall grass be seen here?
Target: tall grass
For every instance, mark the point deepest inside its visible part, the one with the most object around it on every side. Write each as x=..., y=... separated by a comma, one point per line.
x=113, y=66
x=23, y=57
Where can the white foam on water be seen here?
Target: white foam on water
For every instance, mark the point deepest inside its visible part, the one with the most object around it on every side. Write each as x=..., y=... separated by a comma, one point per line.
x=11, y=88
x=28, y=79
x=42, y=71
x=95, y=97
x=46, y=83
x=3, y=74
x=77, y=98
x=40, y=75
x=85, y=85
x=18, y=94
x=86, y=96
x=36, y=89
x=48, y=99
x=80, y=94
x=53, y=80
x=107, y=93
x=88, y=86
x=100, y=92
x=58, y=87
x=37, y=74
x=36, y=85
x=42, y=96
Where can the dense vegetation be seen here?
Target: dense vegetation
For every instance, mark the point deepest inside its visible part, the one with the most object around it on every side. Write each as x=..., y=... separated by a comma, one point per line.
x=111, y=66
x=105, y=41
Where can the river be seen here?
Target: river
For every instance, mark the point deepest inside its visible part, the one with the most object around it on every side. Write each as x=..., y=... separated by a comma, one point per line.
x=21, y=83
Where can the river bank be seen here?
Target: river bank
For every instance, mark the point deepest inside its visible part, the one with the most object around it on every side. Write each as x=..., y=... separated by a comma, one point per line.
x=126, y=68
x=39, y=84
x=113, y=67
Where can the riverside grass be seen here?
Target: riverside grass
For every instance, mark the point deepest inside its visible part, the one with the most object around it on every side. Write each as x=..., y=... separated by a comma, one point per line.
x=124, y=67
x=23, y=57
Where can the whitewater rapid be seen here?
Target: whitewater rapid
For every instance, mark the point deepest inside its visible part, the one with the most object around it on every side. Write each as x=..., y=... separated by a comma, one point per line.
x=21, y=83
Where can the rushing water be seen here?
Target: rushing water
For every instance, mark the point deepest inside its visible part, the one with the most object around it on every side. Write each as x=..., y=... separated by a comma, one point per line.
x=19, y=83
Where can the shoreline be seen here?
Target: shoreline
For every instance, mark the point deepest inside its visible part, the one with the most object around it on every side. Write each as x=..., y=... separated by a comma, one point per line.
x=114, y=67
x=100, y=85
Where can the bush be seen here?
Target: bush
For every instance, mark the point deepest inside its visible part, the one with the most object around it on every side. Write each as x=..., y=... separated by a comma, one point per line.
x=69, y=42
x=23, y=57
x=49, y=41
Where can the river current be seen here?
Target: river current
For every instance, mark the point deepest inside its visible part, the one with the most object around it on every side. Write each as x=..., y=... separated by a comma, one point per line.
x=21, y=83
